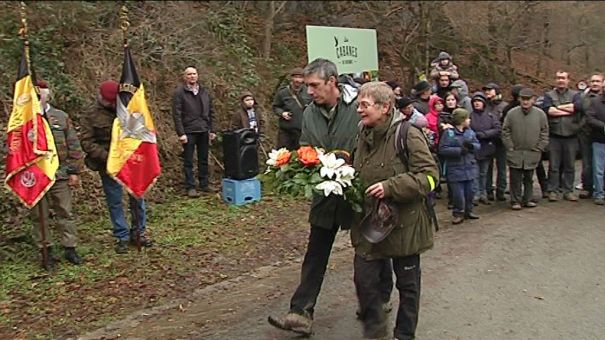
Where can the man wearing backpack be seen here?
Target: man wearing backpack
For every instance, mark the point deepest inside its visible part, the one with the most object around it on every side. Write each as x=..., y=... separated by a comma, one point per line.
x=400, y=185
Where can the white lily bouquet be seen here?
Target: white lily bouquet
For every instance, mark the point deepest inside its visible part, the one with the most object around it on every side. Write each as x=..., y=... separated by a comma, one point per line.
x=311, y=170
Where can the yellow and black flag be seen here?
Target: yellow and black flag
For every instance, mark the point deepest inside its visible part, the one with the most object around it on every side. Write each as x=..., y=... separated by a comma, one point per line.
x=31, y=162
x=133, y=154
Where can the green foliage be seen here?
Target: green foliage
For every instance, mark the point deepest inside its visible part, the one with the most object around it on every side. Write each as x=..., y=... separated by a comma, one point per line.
x=227, y=26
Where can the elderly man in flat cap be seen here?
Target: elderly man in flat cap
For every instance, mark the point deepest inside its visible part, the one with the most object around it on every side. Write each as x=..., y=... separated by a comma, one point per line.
x=289, y=103
x=525, y=137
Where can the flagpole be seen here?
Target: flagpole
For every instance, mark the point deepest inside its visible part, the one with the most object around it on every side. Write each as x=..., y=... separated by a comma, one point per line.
x=41, y=220
x=124, y=25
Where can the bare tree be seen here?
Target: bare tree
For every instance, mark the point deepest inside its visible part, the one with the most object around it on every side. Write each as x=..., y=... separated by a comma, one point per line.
x=272, y=10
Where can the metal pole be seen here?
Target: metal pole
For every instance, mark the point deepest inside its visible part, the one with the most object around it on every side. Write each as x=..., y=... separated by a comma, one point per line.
x=134, y=209
x=24, y=35
x=42, y=220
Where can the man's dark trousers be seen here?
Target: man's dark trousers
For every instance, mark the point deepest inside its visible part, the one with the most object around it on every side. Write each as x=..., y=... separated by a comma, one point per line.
x=562, y=153
x=541, y=174
x=500, y=158
x=367, y=278
x=201, y=142
x=586, y=148
x=313, y=270
x=519, y=177
x=288, y=138
x=314, y=267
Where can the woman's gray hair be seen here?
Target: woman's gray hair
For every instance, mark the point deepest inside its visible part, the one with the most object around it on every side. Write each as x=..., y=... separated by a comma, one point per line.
x=379, y=91
x=323, y=68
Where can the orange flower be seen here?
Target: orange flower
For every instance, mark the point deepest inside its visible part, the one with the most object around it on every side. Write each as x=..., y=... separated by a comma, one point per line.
x=282, y=158
x=308, y=156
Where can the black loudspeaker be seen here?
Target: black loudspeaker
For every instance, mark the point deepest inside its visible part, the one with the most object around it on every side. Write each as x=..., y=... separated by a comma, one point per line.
x=240, y=153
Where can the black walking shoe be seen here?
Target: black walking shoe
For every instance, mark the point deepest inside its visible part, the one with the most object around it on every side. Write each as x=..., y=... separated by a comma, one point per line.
x=121, y=247
x=484, y=200
x=471, y=216
x=71, y=256
x=491, y=197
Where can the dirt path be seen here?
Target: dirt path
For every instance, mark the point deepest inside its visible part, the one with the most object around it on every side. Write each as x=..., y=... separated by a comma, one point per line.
x=533, y=274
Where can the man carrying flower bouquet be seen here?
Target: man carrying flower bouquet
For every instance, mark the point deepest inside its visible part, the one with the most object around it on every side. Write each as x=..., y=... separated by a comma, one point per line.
x=331, y=123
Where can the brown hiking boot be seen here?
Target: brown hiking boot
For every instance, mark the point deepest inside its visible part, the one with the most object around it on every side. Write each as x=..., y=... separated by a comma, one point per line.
x=457, y=219
x=293, y=322
x=570, y=196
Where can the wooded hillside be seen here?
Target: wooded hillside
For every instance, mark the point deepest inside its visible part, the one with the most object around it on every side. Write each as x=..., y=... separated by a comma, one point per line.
x=240, y=45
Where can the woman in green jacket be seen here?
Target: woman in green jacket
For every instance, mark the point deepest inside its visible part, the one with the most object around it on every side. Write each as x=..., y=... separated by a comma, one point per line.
x=403, y=186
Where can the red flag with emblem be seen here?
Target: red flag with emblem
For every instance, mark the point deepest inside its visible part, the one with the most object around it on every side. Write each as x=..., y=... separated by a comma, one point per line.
x=31, y=162
x=133, y=154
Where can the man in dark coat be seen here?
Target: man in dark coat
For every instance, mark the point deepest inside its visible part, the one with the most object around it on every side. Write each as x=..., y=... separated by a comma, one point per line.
x=422, y=93
x=525, y=136
x=289, y=103
x=495, y=105
x=487, y=129
x=193, y=119
x=585, y=135
x=596, y=120
x=330, y=122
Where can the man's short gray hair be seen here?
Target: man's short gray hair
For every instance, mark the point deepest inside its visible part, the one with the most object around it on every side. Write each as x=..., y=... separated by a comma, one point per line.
x=379, y=91
x=323, y=68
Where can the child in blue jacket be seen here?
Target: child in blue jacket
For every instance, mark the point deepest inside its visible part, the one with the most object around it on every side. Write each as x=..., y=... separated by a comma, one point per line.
x=457, y=146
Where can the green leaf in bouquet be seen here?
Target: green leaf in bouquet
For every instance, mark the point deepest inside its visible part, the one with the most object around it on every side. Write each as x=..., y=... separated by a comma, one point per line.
x=315, y=178
x=309, y=191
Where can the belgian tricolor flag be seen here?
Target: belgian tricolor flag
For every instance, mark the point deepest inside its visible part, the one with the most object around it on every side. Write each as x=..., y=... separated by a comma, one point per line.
x=133, y=154
x=31, y=162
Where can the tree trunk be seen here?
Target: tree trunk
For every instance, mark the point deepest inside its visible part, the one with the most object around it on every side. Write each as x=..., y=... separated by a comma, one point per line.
x=543, y=43
x=509, y=60
x=492, y=32
x=269, y=21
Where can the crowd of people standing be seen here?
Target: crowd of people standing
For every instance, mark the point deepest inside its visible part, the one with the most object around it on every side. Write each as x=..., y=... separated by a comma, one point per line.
x=571, y=125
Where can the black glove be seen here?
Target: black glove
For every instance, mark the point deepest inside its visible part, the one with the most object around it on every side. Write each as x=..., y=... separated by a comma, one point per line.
x=480, y=135
x=469, y=145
